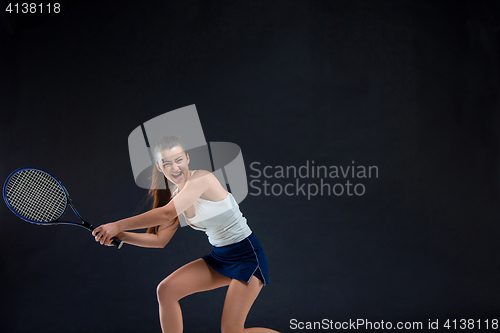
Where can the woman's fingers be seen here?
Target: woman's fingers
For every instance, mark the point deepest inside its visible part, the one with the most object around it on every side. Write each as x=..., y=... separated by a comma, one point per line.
x=104, y=234
x=107, y=239
x=98, y=234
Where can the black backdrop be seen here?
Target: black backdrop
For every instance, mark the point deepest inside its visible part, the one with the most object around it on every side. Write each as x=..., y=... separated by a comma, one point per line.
x=409, y=86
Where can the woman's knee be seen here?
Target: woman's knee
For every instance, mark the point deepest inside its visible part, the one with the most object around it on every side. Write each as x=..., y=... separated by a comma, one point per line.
x=167, y=290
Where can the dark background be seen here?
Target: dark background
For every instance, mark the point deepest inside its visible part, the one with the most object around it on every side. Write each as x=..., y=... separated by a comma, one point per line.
x=409, y=86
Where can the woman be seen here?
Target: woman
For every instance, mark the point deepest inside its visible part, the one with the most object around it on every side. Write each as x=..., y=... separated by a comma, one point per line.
x=237, y=259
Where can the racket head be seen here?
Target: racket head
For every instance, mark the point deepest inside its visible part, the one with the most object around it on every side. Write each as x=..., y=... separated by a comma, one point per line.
x=35, y=196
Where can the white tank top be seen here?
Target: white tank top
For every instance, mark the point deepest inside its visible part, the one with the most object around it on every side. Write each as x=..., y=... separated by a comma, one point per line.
x=222, y=221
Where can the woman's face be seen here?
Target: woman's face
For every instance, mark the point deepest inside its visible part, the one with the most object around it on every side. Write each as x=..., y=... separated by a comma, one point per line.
x=174, y=164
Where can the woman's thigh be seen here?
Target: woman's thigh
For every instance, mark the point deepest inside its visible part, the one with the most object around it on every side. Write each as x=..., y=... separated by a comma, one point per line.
x=193, y=277
x=239, y=299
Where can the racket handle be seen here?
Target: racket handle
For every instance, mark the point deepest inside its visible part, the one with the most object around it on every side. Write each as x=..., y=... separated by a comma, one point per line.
x=118, y=243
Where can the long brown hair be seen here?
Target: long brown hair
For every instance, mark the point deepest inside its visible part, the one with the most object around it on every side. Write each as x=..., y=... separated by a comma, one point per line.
x=160, y=196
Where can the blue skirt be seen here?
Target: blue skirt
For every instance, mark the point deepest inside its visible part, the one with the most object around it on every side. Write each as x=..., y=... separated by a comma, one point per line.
x=240, y=260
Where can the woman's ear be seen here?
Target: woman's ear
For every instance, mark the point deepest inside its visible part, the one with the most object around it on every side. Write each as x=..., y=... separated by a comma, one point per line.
x=187, y=158
x=158, y=167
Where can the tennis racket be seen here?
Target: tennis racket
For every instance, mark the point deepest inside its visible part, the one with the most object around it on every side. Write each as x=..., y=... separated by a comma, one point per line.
x=38, y=197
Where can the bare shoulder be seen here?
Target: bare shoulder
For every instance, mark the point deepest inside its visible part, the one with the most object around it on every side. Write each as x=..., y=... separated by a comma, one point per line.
x=214, y=190
x=204, y=175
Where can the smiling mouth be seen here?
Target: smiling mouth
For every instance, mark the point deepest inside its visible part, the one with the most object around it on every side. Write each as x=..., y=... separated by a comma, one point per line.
x=177, y=176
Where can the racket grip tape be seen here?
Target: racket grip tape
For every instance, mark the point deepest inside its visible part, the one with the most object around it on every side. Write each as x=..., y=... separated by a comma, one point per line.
x=118, y=243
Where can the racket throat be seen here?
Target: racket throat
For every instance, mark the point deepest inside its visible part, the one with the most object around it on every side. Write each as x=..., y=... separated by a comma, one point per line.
x=83, y=224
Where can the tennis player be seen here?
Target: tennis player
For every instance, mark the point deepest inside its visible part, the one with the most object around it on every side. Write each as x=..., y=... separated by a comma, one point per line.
x=237, y=259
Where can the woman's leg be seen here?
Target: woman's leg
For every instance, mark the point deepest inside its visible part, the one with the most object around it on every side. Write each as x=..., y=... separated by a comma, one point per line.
x=239, y=299
x=193, y=277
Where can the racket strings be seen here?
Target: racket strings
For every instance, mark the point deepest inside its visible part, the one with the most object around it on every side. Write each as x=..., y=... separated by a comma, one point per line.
x=44, y=188
x=40, y=190
x=23, y=203
x=45, y=206
x=35, y=189
x=36, y=195
x=24, y=184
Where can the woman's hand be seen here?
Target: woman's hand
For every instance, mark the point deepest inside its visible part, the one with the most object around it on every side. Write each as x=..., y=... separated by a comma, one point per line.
x=104, y=234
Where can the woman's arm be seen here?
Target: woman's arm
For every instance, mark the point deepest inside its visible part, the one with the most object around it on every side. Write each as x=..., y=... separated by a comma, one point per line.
x=158, y=240
x=161, y=216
